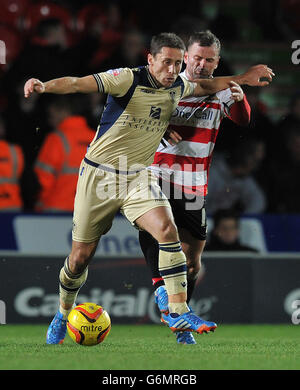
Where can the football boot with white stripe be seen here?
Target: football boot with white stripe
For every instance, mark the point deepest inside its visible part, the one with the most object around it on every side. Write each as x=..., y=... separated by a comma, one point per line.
x=187, y=322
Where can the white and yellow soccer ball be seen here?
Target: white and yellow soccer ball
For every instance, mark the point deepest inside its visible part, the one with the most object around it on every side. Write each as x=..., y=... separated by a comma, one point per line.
x=88, y=324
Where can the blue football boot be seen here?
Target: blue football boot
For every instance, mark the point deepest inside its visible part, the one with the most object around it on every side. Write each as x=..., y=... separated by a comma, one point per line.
x=161, y=299
x=185, y=338
x=187, y=322
x=57, y=330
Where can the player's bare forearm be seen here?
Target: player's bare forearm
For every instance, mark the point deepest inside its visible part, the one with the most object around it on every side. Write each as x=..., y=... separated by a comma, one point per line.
x=63, y=85
x=251, y=77
x=210, y=86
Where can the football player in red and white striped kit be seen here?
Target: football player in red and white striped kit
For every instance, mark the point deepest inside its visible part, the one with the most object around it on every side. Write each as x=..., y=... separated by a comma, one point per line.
x=182, y=164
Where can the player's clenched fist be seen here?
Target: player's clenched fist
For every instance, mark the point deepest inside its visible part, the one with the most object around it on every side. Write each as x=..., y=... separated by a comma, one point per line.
x=33, y=85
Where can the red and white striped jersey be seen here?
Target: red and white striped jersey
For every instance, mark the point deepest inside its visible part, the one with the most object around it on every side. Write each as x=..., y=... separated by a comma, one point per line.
x=197, y=120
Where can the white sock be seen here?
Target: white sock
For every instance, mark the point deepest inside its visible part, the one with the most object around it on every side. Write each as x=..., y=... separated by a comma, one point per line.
x=64, y=312
x=178, y=307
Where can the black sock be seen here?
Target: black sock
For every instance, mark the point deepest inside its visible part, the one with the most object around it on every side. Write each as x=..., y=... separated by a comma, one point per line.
x=190, y=287
x=150, y=250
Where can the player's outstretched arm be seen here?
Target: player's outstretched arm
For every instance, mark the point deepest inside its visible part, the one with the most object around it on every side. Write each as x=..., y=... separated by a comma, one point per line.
x=251, y=77
x=61, y=85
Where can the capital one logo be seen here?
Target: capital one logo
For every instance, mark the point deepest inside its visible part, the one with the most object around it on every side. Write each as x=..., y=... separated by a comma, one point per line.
x=2, y=53
x=2, y=313
x=296, y=54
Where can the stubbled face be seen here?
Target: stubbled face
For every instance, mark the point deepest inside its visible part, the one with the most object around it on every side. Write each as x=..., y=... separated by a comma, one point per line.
x=165, y=66
x=201, y=61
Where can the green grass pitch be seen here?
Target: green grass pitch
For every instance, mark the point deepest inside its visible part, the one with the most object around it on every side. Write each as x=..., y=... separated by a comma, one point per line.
x=153, y=347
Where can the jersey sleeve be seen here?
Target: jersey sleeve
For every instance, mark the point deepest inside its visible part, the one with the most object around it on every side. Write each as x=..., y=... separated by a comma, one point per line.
x=238, y=112
x=188, y=87
x=115, y=82
x=226, y=101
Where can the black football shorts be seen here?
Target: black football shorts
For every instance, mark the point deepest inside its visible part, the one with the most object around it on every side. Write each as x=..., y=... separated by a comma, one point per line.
x=189, y=211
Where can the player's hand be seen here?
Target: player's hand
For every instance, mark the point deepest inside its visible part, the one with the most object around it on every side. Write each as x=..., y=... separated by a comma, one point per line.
x=237, y=93
x=172, y=137
x=255, y=73
x=33, y=85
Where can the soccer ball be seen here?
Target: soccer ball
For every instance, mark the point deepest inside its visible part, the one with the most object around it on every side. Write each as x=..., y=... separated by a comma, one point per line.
x=88, y=324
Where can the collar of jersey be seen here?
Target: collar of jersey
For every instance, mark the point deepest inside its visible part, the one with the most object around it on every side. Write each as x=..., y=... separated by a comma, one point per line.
x=151, y=79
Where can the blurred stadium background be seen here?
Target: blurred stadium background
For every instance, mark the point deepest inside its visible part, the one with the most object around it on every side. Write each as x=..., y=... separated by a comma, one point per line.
x=91, y=36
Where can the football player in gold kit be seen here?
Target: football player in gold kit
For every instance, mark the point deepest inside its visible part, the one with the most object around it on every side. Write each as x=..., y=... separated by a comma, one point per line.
x=113, y=175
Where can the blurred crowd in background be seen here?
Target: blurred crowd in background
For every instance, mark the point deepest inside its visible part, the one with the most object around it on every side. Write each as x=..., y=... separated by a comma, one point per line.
x=259, y=164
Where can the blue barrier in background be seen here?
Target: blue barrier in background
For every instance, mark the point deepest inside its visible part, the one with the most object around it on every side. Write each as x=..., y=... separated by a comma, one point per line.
x=51, y=234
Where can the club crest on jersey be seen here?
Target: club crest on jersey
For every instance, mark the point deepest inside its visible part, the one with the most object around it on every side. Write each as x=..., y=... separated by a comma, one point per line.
x=155, y=112
x=115, y=72
x=172, y=96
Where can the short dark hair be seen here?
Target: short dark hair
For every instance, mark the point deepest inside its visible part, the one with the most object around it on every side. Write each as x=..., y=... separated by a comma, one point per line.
x=204, y=38
x=166, y=40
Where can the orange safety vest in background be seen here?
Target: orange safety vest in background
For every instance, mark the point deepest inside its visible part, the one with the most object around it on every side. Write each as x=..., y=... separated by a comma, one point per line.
x=11, y=168
x=58, y=163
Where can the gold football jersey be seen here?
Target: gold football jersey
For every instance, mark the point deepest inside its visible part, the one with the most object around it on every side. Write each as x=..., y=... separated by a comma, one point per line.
x=136, y=116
